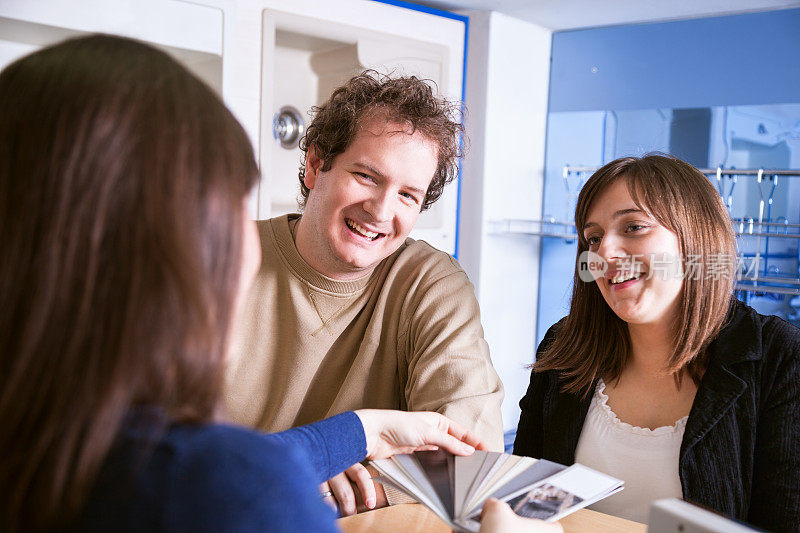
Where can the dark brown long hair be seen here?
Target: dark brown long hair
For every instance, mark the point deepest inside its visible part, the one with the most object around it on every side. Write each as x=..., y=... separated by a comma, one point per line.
x=122, y=179
x=405, y=100
x=592, y=341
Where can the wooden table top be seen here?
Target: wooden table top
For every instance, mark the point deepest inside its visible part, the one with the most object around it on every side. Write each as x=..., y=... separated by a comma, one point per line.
x=416, y=518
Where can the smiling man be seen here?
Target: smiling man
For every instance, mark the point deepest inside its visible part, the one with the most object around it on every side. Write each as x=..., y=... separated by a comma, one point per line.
x=347, y=312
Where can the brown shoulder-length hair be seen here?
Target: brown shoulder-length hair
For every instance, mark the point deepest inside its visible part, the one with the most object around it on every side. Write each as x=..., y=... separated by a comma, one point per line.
x=122, y=179
x=592, y=341
x=406, y=100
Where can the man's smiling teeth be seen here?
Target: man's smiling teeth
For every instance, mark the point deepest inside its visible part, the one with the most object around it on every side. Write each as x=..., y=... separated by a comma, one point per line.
x=624, y=276
x=361, y=230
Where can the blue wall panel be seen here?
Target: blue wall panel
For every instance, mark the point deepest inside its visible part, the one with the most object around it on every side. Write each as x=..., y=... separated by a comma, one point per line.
x=731, y=60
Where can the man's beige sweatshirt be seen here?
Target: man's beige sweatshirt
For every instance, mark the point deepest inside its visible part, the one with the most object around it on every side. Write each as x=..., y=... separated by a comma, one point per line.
x=407, y=336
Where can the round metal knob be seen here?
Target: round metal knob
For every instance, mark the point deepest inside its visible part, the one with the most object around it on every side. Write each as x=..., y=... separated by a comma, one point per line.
x=288, y=126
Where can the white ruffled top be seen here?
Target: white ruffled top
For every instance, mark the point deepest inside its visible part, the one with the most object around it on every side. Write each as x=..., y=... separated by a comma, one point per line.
x=645, y=459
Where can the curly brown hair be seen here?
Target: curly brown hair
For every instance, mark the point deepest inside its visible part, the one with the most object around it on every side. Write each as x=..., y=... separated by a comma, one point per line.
x=405, y=100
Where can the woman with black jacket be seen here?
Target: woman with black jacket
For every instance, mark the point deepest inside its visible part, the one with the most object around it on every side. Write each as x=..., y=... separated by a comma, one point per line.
x=658, y=375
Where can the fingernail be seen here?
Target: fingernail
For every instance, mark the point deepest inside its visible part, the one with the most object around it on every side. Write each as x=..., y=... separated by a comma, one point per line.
x=370, y=503
x=467, y=448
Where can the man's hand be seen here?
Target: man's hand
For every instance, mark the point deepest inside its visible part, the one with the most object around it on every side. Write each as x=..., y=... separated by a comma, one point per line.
x=392, y=432
x=388, y=433
x=354, y=491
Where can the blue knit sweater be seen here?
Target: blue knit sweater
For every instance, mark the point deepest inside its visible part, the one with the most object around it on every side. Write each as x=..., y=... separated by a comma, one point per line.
x=221, y=478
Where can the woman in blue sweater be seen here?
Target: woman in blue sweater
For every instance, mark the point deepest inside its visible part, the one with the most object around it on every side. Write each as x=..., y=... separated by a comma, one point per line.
x=126, y=249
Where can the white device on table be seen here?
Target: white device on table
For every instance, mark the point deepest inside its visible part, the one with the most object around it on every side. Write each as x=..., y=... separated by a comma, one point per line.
x=672, y=515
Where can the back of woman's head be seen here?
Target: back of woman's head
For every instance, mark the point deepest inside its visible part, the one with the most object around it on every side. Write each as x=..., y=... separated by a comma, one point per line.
x=122, y=179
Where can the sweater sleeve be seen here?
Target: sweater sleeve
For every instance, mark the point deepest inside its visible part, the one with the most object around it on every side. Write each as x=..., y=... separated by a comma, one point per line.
x=449, y=367
x=330, y=446
x=775, y=495
x=528, y=441
x=231, y=479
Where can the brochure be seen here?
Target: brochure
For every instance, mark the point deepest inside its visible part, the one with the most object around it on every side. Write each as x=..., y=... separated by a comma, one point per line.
x=455, y=487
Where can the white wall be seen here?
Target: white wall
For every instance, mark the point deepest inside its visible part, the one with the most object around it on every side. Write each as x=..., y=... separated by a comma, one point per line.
x=507, y=88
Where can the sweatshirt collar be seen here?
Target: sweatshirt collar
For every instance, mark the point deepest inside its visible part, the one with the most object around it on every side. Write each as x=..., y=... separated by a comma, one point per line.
x=281, y=228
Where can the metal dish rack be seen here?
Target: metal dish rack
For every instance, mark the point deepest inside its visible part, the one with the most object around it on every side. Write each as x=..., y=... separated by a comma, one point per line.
x=758, y=280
